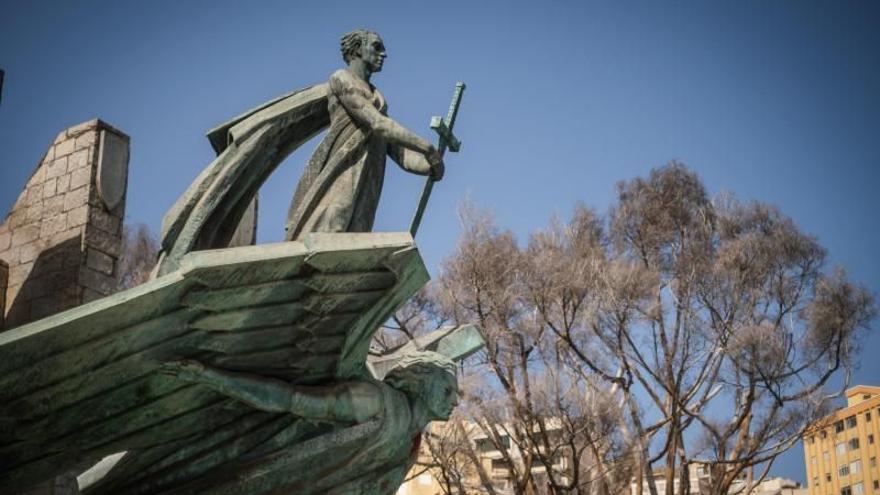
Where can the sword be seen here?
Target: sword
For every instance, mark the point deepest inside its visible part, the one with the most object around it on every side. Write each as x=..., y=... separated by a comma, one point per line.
x=443, y=127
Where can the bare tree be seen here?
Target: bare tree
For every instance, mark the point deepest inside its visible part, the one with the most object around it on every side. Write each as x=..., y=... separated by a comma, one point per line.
x=543, y=421
x=449, y=456
x=688, y=303
x=419, y=315
x=140, y=249
x=716, y=319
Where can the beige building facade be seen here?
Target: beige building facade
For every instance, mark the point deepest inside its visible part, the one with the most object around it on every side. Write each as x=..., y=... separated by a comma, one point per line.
x=840, y=451
x=699, y=478
x=426, y=481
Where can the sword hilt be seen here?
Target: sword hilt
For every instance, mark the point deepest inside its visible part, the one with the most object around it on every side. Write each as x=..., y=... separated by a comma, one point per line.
x=443, y=127
x=447, y=139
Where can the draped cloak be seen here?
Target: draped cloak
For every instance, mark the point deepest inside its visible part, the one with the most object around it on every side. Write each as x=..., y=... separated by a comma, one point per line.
x=338, y=192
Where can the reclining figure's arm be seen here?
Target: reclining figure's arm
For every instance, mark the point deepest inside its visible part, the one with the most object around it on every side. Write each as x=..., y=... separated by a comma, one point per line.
x=347, y=401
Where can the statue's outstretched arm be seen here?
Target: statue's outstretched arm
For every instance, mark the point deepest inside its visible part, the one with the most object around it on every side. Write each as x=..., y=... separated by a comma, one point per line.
x=348, y=402
x=350, y=92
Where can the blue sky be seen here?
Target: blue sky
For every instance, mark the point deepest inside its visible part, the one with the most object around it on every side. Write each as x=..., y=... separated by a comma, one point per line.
x=776, y=101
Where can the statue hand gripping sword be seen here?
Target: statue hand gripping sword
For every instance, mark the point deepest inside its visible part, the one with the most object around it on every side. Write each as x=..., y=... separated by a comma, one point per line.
x=443, y=127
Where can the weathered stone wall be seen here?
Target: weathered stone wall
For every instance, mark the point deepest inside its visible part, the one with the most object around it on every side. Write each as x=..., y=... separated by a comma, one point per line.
x=61, y=241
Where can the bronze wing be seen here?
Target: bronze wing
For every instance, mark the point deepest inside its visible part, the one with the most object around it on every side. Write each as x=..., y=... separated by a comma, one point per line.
x=82, y=384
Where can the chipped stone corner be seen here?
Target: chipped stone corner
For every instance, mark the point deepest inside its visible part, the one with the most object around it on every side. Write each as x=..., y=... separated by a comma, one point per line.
x=61, y=242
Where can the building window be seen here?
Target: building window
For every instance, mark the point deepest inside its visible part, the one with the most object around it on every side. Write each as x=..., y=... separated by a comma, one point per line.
x=843, y=470
x=488, y=445
x=873, y=462
x=838, y=427
x=812, y=439
x=853, y=443
x=845, y=491
x=855, y=467
x=828, y=477
x=876, y=485
x=868, y=416
x=485, y=445
x=815, y=482
x=823, y=434
x=851, y=422
x=858, y=488
x=870, y=439
x=841, y=448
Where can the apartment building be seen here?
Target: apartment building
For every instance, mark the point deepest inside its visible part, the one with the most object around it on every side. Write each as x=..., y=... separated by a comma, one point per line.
x=427, y=481
x=841, y=449
x=780, y=486
x=500, y=471
x=699, y=477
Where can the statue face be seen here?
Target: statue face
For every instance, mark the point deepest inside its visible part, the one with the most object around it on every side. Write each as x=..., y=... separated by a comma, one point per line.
x=442, y=396
x=372, y=52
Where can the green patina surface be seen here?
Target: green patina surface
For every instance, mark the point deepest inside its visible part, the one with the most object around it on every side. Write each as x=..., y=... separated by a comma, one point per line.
x=246, y=370
x=88, y=383
x=83, y=384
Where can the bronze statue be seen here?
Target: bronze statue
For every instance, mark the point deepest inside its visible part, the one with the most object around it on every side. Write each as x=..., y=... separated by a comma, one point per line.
x=339, y=190
x=248, y=370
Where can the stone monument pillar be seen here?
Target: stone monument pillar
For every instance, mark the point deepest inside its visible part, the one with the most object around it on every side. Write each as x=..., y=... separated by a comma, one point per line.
x=62, y=238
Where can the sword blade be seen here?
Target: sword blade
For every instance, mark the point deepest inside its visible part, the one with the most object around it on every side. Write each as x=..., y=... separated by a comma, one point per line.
x=446, y=137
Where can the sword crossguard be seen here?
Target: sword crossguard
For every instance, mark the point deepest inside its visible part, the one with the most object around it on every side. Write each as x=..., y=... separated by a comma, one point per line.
x=447, y=138
x=443, y=127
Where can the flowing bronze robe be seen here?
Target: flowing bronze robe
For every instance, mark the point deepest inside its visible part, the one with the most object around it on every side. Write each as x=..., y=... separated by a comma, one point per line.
x=340, y=188
x=250, y=147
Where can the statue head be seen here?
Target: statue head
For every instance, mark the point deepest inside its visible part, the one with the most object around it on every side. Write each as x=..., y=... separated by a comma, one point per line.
x=364, y=45
x=427, y=376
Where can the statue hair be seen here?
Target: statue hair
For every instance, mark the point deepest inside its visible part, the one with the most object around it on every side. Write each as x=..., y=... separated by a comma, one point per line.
x=416, y=369
x=352, y=41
